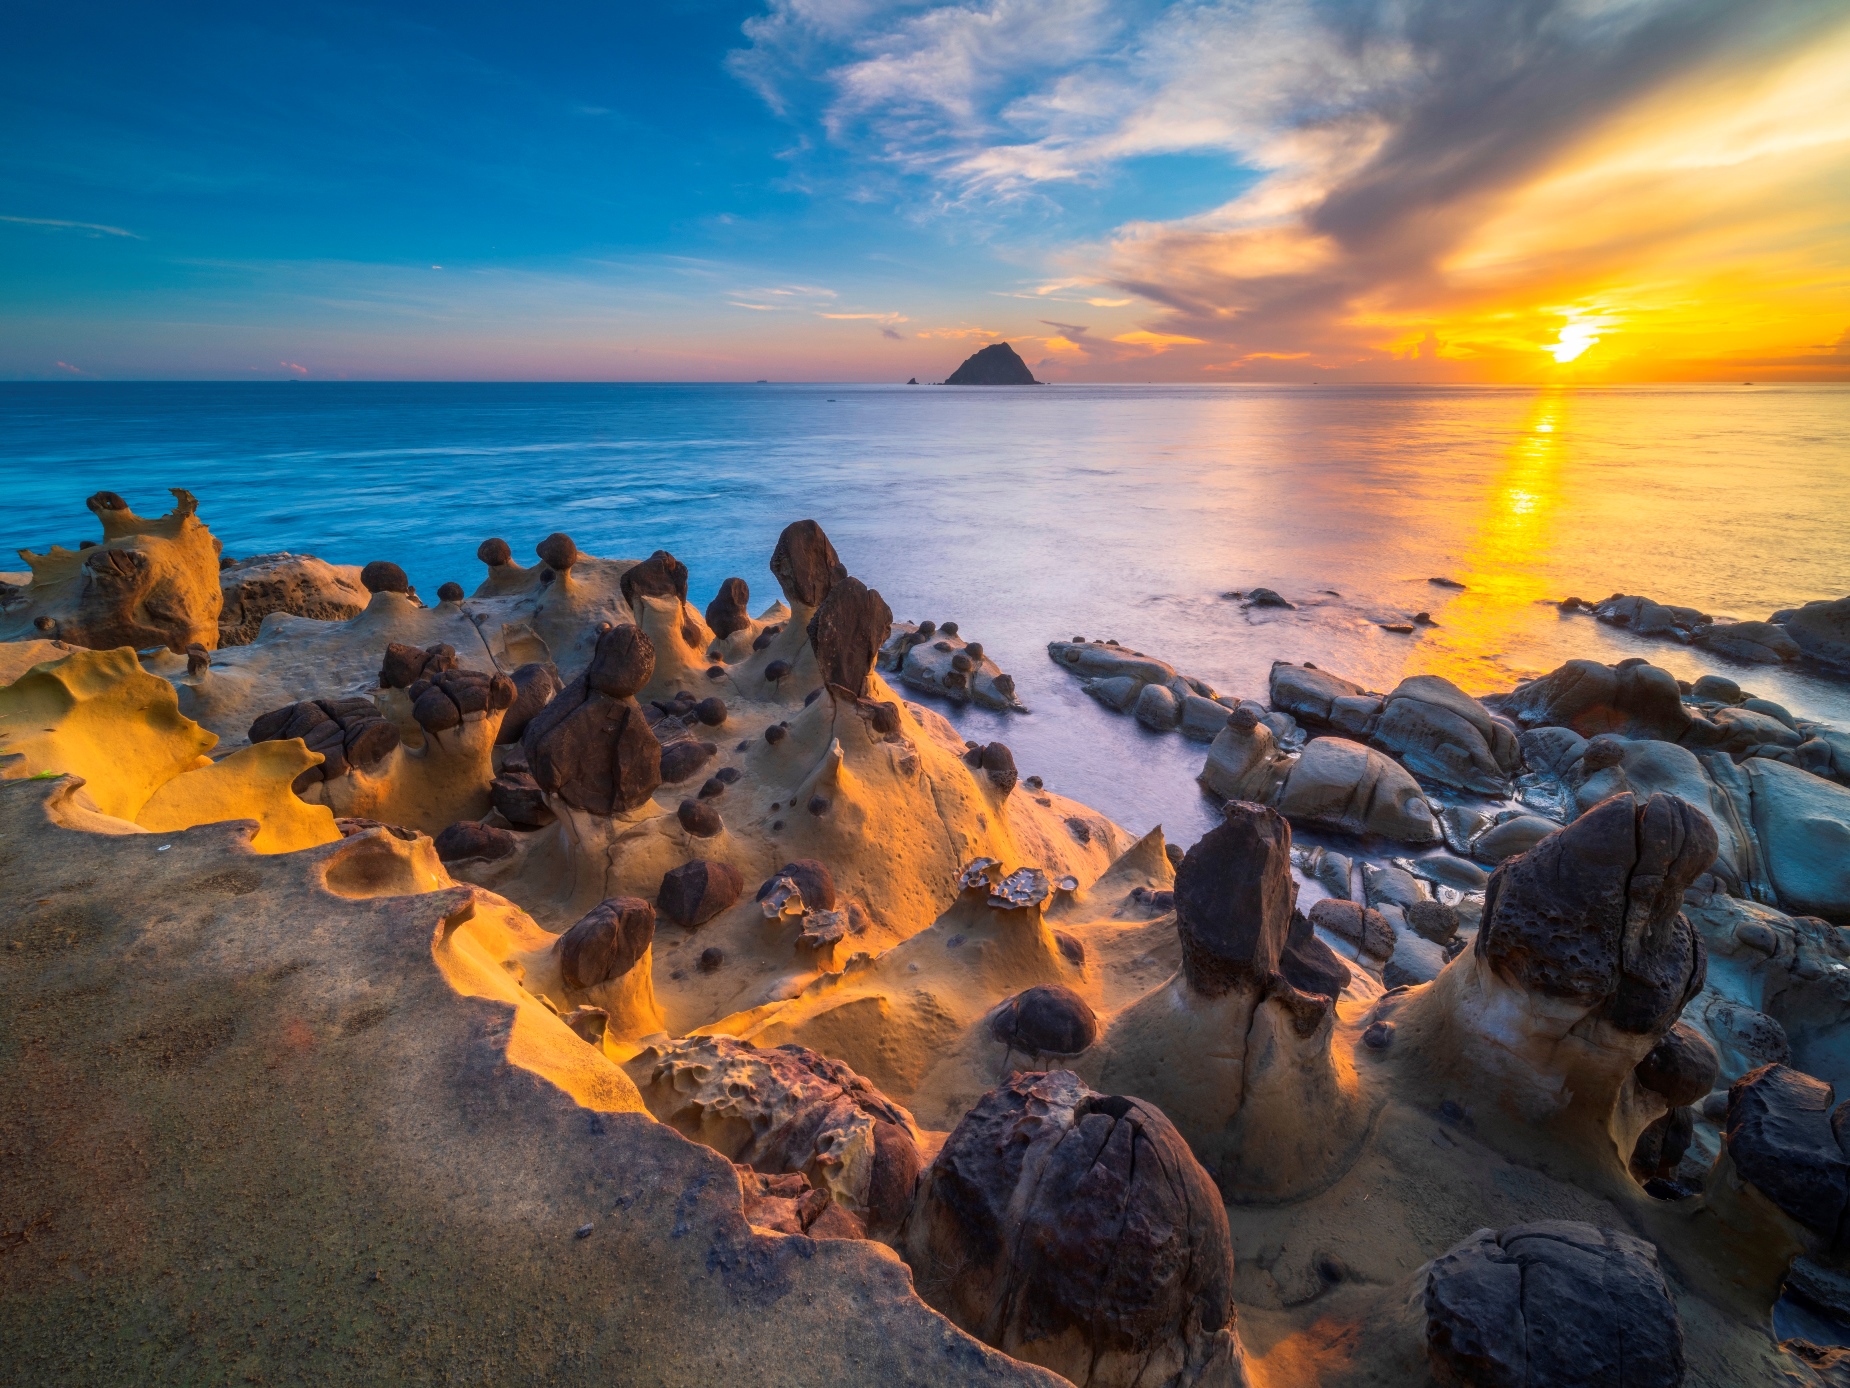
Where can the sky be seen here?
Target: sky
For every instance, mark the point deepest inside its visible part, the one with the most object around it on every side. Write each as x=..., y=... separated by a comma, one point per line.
x=869, y=190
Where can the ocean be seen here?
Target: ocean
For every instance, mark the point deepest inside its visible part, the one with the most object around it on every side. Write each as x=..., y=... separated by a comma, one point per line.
x=1033, y=514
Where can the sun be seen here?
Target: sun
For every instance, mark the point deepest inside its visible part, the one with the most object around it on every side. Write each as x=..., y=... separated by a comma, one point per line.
x=1577, y=334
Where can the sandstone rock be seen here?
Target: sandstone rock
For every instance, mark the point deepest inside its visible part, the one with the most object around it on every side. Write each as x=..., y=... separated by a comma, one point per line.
x=1202, y=719
x=1308, y=694
x=846, y=634
x=592, y=747
x=1077, y=1231
x=298, y=584
x=1414, y=961
x=1049, y=1020
x=1366, y=928
x=1437, y=731
x=998, y=765
x=1593, y=913
x=1244, y=760
x=1549, y=1305
x=727, y=612
x=804, y=563
x=1309, y=965
x=1234, y=900
x=347, y=733
x=606, y=942
x=1782, y=1134
x=695, y=892
x=519, y=799
x=404, y=666
x=1342, y=785
x=1682, y=1066
x=1157, y=708
x=442, y=700
x=661, y=575
x=557, y=552
x=1716, y=689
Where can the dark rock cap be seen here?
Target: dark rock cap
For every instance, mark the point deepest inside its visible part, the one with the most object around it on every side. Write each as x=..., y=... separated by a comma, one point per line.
x=535, y=684
x=683, y=757
x=441, y=701
x=404, y=666
x=1549, y=1305
x=1049, y=1020
x=557, y=552
x=1234, y=899
x=804, y=563
x=1682, y=1066
x=347, y=733
x=994, y=365
x=1783, y=1136
x=727, y=612
x=846, y=634
x=1594, y=912
x=1309, y=965
x=661, y=575
x=517, y=796
x=494, y=553
x=383, y=576
x=813, y=879
x=623, y=662
x=695, y=892
x=596, y=752
x=467, y=840
x=606, y=942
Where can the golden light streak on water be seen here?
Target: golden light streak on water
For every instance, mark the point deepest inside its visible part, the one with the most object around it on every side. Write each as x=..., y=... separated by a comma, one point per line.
x=1506, y=564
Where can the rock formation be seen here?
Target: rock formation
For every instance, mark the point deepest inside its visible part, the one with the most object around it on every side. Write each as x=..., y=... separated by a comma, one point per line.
x=994, y=365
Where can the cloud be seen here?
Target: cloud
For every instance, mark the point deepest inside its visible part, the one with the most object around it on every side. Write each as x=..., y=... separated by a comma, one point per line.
x=1433, y=183
x=94, y=228
x=291, y=366
x=74, y=370
x=888, y=332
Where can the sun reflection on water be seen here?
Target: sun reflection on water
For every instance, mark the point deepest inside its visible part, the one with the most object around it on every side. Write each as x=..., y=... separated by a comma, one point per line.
x=1504, y=567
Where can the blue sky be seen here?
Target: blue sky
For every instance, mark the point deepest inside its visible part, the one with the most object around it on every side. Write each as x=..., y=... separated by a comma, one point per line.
x=821, y=189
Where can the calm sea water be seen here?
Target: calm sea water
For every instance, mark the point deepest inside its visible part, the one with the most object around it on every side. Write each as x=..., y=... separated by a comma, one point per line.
x=1033, y=514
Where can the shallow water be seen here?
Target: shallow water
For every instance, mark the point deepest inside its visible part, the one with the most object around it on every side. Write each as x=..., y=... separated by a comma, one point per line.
x=1034, y=514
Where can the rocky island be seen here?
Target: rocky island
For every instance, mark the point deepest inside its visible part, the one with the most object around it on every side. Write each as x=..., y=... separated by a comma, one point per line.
x=995, y=365
x=560, y=981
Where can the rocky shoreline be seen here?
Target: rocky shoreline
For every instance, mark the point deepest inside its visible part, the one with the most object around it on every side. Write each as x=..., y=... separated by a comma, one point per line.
x=556, y=980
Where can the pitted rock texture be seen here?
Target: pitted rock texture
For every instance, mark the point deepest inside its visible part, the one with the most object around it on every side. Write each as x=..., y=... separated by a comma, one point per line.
x=591, y=746
x=1594, y=912
x=1049, y=1020
x=1234, y=899
x=1549, y=1305
x=846, y=634
x=788, y=1109
x=804, y=563
x=347, y=733
x=1077, y=1231
x=298, y=584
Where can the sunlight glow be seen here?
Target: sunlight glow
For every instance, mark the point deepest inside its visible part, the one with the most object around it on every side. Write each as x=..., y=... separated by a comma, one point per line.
x=1576, y=337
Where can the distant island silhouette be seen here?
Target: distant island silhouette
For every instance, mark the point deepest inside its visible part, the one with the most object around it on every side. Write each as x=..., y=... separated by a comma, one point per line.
x=994, y=365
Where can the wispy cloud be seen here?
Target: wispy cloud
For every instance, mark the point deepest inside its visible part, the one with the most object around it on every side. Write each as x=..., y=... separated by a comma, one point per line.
x=92, y=228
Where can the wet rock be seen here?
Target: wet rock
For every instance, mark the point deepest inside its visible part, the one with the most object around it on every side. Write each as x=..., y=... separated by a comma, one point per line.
x=1413, y=961
x=592, y=747
x=1782, y=1136
x=695, y=892
x=606, y=942
x=728, y=612
x=1716, y=689
x=1755, y=643
x=1631, y=698
x=1802, y=823
x=846, y=634
x=682, y=759
x=1593, y=913
x=1265, y=597
x=557, y=552
x=297, y=584
x=1308, y=694
x=466, y=840
x=347, y=732
x=789, y=1110
x=700, y=818
x=804, y=563
x=661, y=575
x=1549, y=1305
x=1645, y=617
x=1439, y=732
x=535, y=685
x=1821, y=629
x=518, y=798
x=383, y=576
x=1244, y=761
x=1515, y=835
x=1342, y=785
x=812, y=880
x=1433, y=920
x=1049, y=1020
x=1363, y=926
x=1076, y=1230
x=1682, y=1066
x=1234, y=900
x=1157, y=708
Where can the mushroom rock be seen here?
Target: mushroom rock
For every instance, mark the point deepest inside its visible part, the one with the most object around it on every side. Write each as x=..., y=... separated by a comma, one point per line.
x=846, y=634
x=558, y=554
x=517, y=797
x=695, y=892
x=998, y=765
x=804, y=564
x=1244, y=761
x=1230, y=1045
x=1632, y=698
x=467, y=840
x=495, y=553
x=1582, y=962
x=812, y=881
x=298, y=585
x=1549, y=1305
x=535, y=684
x=346, y=732
x=149, y=583
x=1075, y=1230
x=727, y=612
x=661, y=575
x=591, y=745
x=1048, y=1020
x=603, y=961
x=700, y=819
x=383, y=576
x=788, y=1109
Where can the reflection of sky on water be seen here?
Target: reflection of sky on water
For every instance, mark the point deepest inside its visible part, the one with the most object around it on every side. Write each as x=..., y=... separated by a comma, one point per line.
x=1035, y=514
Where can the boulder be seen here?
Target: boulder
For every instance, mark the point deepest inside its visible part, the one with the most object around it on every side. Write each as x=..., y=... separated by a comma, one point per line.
x=1682, y=1066
x=1342, y=785
x=1716, y=689
x=592, y=747
x=1782, y=1135
x=846, y=634
x=994, y=365
x=810, y=878
x=467, y=841
x=1202, y=719
x=1821, y=630
x=1309, y=965
x=1645, y=617
x=728, y=612
x=535, y=684
x=1631, y=698
x=804, y=563
x=519, y=800
x=695, y=892
x=298, y=584
x=443, y=699
x=1308, y=694
x=1244, y=761
x=1094, y=660
x=1439, y=732
x=1593, y=913
x=1157, y=708
x=1362, y=926
x=347, y=733
x=661, y=575
x=606, y=943
x=1049, y=1020
x=1077, y=1231
x=1552, y=1304
x=1756, y=643
x=1234, y=900
x=1803, y=824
